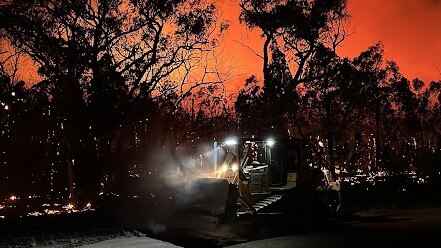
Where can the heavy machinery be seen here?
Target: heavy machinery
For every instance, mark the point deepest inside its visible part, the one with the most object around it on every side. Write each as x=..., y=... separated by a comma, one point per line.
x=246, y=178
x=263, y=176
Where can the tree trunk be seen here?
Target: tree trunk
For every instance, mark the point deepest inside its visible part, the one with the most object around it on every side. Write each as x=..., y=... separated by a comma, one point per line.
x=269, y=37
x=70, y=173
x=329, y=135
x=378, y=140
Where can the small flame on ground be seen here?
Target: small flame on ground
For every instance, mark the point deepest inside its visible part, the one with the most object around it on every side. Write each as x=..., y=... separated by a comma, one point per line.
x=51, y=211
x=35, y=214
x=69, y=207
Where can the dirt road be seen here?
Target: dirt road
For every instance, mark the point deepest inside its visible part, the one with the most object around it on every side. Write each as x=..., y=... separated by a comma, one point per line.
x=419, y=226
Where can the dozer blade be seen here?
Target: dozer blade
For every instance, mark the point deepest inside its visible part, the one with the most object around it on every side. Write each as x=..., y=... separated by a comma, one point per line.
x=208, y=196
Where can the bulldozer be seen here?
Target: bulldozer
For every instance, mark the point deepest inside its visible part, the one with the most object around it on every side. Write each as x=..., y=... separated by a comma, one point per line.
x=245, y=178
x=252, y=176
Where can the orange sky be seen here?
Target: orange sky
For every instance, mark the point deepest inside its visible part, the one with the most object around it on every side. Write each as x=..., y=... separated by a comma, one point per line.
x=409, y=29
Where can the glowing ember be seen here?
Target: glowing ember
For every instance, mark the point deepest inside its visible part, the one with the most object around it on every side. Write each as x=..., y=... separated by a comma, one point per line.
x=35, y=214
x=51, y=211
x=69, y=207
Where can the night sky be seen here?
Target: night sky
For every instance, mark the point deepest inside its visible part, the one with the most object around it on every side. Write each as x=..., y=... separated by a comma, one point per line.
x=408, y=29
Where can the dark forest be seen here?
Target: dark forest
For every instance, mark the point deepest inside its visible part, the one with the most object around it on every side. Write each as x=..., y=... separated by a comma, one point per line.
x=132, y=94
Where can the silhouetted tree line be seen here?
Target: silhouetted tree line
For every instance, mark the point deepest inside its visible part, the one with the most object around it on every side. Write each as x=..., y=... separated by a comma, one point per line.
x=121, y=79
x=367, y=115
x=129, y=88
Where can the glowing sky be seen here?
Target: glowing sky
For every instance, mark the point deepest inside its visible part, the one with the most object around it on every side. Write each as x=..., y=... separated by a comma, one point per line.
x=409, y=29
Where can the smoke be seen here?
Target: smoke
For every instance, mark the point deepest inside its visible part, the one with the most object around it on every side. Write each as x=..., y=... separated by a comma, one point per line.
x=175, y=166
x=169, y=175
x=189, y=191
x=435, y=2
x=171, y=181
x=156, y=228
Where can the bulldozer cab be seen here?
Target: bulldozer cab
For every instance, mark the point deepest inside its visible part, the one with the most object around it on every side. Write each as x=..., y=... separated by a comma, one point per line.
x=263, y=165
